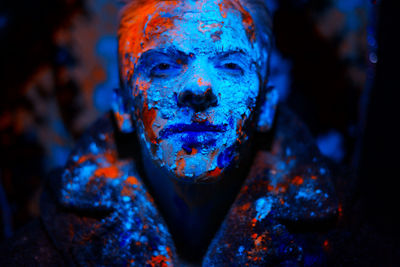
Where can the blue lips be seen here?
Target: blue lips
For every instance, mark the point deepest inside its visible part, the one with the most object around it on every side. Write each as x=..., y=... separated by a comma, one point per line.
x=190, y=128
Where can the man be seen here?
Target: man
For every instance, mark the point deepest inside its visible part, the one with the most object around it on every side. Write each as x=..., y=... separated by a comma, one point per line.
x=195, y=170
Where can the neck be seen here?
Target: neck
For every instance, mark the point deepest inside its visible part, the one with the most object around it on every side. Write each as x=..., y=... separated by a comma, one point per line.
x=193, y=212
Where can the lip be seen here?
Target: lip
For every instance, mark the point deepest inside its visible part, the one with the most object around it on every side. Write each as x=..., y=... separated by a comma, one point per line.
x=191, y=128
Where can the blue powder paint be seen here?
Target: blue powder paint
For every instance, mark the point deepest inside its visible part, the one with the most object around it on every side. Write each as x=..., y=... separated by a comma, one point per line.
x=331, y=145
x=225, y=71
x=225, y=158
x=138, y=221
x=93, y=148
x=280, y=78
x=263, y=207
x=190, y=140
x=190, y=128
x=87, y=171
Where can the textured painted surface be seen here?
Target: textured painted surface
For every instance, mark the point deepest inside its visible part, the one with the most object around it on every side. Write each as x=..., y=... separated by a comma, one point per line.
x=288, y=184
x=130, y=230
x=44, y=108
x=193, y=73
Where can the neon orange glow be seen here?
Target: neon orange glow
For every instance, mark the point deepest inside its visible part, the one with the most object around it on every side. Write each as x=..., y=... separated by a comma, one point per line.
x=108, y=172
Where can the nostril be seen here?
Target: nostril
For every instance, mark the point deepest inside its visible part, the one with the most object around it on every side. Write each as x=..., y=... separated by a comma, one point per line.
x=184, y=98
x=197, y=101
x=211, y=98
x=187, y=97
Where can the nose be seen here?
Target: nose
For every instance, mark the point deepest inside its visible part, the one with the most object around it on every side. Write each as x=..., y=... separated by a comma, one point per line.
x=199, y=96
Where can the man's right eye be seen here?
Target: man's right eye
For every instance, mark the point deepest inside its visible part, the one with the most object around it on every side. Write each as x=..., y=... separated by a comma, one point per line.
x=163, y=66
x=164, y=70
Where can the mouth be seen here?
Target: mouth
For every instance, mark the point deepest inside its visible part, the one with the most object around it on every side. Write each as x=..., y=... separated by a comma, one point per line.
x=191, y=128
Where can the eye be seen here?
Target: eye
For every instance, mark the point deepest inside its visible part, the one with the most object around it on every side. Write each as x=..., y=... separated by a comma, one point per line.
x=164, y=69
x=163, y=66
x=232, y=68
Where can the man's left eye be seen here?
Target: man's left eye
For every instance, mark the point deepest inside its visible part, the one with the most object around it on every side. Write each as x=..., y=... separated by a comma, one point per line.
x=232, y=68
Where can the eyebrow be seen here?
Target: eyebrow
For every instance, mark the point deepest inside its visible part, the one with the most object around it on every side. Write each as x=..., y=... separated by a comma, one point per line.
x=175, y=52
x=225, y=54
x=170, y=52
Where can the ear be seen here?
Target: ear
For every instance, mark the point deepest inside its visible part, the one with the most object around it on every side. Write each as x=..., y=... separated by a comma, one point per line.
x=268, y=108
x=121, y=112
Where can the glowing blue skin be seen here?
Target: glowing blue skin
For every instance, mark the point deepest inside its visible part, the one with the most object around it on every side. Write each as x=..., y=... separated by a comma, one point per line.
x=189, y=59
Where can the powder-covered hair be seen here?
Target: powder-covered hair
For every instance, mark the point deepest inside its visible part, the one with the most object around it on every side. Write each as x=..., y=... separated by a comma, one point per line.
x=256, y=8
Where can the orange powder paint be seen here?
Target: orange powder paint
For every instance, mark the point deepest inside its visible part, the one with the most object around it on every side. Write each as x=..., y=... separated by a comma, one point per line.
x=148, y=118
x=214, y=173
x=132, y=180
x=247, y=20
x=326, y=245
x=121, y=118
x=239, y=129
x=258, y=241
x=208, y=27
x=111, y=157
x=298, y=180
x=181, y=163
x=127, y=191
x=201, y=82
x=141, y=25
x=108, y=172
x=158, y=261
x=340, y=210
x=84, y=158
x=245, y=207
x=194, y=151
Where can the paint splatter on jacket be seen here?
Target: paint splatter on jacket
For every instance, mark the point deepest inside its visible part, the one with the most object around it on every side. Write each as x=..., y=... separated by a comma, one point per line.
x=97, y=212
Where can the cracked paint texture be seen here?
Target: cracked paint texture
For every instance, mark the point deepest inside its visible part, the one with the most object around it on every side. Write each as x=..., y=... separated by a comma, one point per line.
x=192, y=73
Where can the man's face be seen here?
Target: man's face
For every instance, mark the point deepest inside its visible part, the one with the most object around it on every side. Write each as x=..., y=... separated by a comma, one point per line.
x=193, y=72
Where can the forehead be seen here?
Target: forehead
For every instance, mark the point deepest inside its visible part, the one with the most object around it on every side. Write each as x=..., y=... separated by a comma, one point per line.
x=158, y=22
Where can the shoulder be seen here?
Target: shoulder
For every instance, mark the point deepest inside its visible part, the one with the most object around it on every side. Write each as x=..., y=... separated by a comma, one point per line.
x=289, y=187
x=99, y=212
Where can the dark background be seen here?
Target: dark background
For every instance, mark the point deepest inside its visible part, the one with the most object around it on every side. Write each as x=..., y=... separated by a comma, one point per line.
x=335, y=64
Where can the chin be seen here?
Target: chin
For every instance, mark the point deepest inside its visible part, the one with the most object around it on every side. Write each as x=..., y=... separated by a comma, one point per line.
x=199, y=174
x=201, y=166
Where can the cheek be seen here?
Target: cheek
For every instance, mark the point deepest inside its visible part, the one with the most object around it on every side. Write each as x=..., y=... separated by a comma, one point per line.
x=240, y=97
x=148, y=119
x=146, y=112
